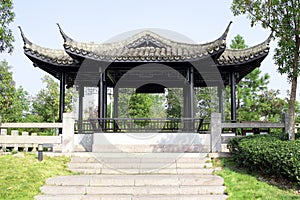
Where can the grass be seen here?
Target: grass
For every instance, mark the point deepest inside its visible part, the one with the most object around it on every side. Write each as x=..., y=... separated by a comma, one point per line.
x=21, y=178
x=242, y=185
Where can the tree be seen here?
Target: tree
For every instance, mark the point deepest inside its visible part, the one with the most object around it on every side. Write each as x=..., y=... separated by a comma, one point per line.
x=174, y=103
x=206, y=102
x=124, y=100
x=249, y=89
x=283, y=19
x=158, y=109
x=140, y=105
x=6, y=17
x=13, y=102
x=272, y=105
x=46, y=103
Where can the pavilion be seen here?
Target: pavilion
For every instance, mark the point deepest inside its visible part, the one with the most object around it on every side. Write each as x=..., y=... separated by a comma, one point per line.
x=156, y=62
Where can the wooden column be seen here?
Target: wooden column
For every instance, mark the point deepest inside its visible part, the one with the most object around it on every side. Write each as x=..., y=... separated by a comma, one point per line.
x=191, y=91
x=116, y=102
x=80, y=107
x=188, y=99
x=104, y=97
x=116, y=105
x=100, y=96
x=62, y=96
x=221, y=99
x=233, y=96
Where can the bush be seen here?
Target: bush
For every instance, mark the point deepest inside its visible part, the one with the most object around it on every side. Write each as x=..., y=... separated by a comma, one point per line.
x=269, y=154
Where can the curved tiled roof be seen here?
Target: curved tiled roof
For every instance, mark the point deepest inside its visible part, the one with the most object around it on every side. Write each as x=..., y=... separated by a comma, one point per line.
x=241, y=56
x=144, y=46
x=51, y=56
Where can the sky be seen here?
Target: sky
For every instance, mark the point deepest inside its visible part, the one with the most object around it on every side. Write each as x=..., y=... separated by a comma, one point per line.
x=98, y=21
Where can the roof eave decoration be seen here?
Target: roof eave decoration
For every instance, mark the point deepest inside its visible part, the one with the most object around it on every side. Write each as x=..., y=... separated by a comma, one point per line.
x=63, y=34
x=25, y=40
x=242, y=56
x=145, y=46
x=52, y=56
x=224, y=36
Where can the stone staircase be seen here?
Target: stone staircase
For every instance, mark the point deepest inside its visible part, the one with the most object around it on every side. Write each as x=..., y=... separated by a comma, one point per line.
x=137, y=177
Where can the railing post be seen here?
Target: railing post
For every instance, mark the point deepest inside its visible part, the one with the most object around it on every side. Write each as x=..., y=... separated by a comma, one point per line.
x=286, y=121
x=215, y=132
x=68, y=133
x=3, y=132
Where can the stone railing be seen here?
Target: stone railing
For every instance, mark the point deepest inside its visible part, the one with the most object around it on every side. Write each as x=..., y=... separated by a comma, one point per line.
x=64, y=141
x=218, y=137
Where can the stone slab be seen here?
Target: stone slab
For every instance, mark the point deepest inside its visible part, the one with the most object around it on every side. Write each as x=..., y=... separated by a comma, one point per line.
x=130, y=197
x=85, y=165
x=58, y=190
x=83, y=197
x=83, y=180
x=182, y=197
x=207, y=189
x=151, y=142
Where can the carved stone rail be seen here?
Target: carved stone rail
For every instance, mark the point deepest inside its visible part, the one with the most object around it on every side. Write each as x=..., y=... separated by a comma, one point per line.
x=65, y=141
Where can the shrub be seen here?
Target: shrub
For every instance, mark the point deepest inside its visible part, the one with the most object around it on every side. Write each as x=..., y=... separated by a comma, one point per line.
x=269, y=154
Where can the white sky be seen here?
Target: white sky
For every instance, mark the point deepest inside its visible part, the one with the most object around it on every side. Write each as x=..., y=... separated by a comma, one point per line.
x=98, y=21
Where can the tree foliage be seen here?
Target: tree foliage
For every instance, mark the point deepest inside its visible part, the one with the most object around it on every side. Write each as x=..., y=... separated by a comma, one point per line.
x=13, y=101
x=6, y=17
x=254, y=100
x=248, y=95
x=45, y=106
x=282, y=17
x=174, y=103
x=140, y=105
x=206, y=102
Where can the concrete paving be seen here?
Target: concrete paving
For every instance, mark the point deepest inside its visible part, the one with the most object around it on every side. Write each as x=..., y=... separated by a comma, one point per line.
x=137, y=177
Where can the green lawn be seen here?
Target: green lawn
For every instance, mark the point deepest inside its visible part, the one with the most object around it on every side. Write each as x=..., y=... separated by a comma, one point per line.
x=20, y=178
x=241, y=185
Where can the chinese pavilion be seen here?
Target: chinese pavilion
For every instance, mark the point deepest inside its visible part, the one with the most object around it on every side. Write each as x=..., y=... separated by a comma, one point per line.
x=157, y=63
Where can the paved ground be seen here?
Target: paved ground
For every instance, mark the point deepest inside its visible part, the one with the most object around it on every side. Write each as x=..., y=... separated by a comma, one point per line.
x=137, y=177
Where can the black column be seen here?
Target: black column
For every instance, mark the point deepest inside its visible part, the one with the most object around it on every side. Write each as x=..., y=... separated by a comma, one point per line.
x=116, y=102
x=220, y=97
x=186, y=106
x=191, y=91
x=100, y=96
x=233, y=97
x=80, y=108
x=188, y=100
x=116, y=105
x=62, y=96
x=104, y=96
x=104, y=103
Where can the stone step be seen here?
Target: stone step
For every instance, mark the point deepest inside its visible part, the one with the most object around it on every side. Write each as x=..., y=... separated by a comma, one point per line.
x=131, y=177
x=87, y=165
x=136, y=190
x=131, y=197
x=144, y=171
x=139, y=160
x=138, y=180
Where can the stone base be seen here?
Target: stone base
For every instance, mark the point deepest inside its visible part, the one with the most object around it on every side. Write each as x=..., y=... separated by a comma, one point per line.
x=151, y=142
